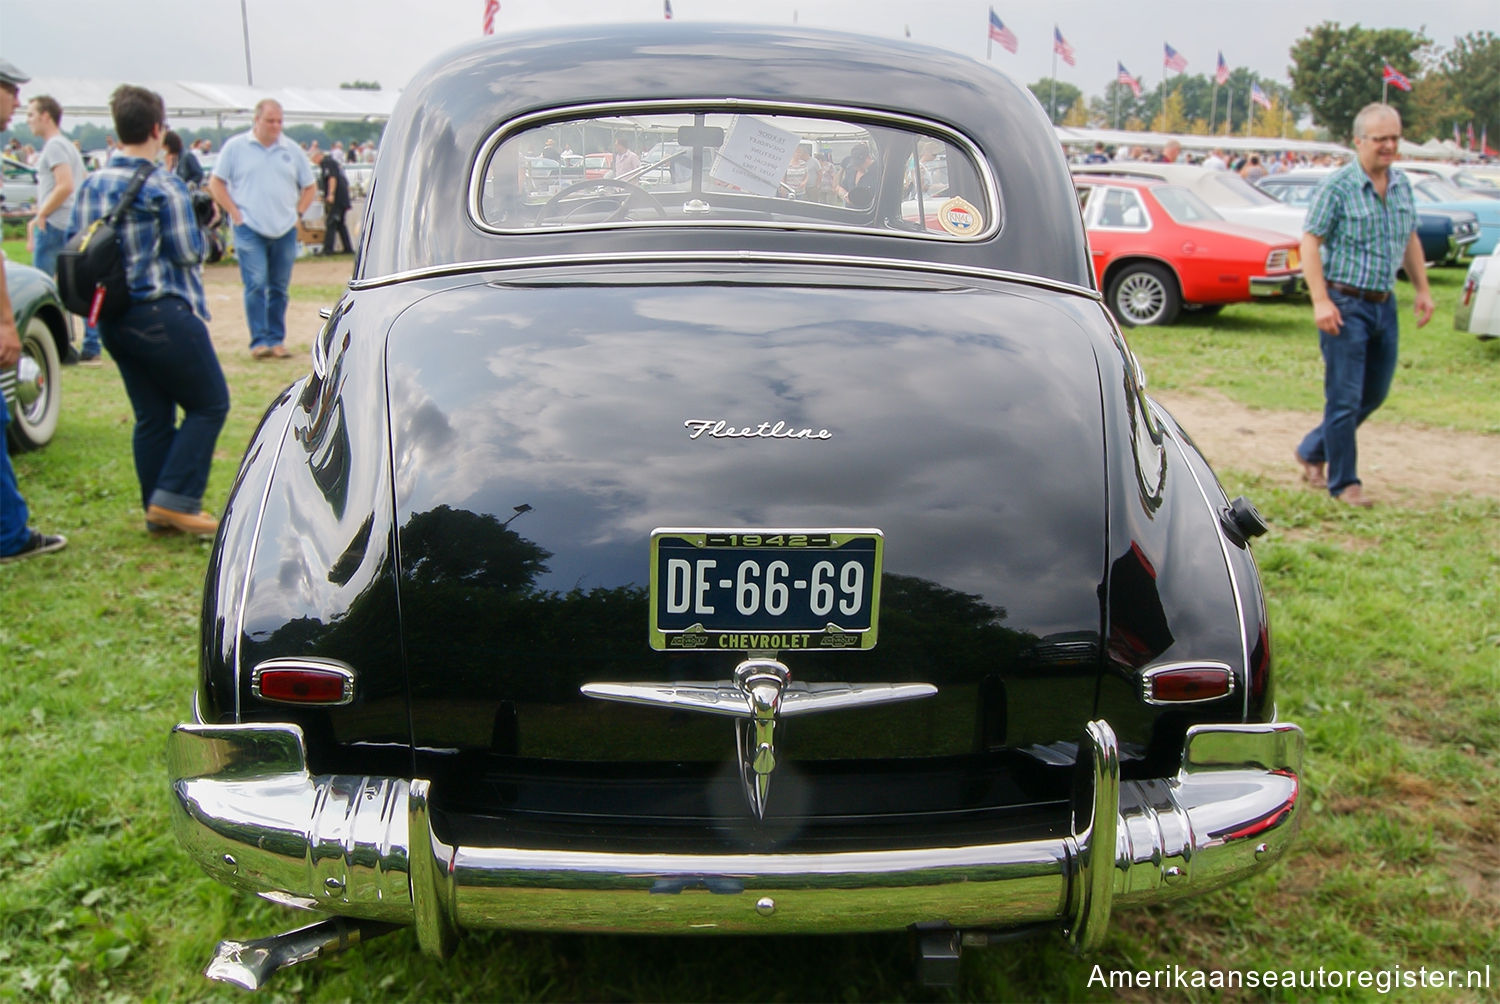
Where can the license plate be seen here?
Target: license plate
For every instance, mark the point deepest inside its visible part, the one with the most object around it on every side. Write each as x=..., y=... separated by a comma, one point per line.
x=765, y=590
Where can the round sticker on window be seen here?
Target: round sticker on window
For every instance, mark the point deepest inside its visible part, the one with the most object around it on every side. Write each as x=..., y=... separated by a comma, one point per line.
x=959, y=217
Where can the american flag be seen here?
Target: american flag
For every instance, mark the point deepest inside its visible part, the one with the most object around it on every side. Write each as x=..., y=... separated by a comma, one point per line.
x=666, y=9
x=1259, y=97
x=1172, y=59
x=491, y=8
x=1000, y=33
x=1395, y=76
x=1221, y=75
x=1470, y=144
x=1125, y=78
x=1061, y=47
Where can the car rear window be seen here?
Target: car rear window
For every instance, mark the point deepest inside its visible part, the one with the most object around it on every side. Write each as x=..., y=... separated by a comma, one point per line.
x=1184, y=206
x=711, y=166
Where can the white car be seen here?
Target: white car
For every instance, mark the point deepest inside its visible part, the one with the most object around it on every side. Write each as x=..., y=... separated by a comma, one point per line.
x=1478, y=310
x=1234, y=197
x=1472, y=182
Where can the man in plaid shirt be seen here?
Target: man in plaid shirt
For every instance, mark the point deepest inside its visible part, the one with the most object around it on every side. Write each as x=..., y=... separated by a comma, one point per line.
x=1360, y=228
x=160, y=343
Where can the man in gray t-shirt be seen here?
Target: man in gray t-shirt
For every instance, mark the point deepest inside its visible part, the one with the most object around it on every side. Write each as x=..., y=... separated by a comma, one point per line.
x=59, y=173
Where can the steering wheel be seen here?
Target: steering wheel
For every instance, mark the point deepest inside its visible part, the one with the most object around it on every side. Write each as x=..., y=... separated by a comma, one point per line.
x=628, y=191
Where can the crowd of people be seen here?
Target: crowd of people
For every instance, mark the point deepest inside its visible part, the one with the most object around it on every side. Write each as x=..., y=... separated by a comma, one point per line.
x=261, y=182
x=1251, y=165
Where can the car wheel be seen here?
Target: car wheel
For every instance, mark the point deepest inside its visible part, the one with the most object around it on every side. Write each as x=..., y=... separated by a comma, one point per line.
x=38, y=402
x=1143, y=294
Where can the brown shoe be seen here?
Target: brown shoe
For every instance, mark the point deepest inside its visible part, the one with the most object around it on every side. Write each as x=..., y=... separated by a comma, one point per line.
x=1354, y=495
x=261, y=352
x=1312, y=473
x=200, y=523
x=280, y=352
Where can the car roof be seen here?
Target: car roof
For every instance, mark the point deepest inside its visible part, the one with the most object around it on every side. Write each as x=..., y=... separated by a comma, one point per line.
x=1095, y=178
x=418, y=219
x=1179, y=173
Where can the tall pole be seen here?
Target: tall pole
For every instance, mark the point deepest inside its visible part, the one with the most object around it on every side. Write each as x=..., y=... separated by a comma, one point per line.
x=245, y=28
x=1118, y=85
x=1053, y=116
x=1214, y=108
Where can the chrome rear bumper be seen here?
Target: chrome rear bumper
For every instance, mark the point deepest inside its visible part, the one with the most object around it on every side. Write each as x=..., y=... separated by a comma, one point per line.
x=251, y=814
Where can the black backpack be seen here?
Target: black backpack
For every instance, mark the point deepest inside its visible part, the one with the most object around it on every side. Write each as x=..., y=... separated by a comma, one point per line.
x=91, y=268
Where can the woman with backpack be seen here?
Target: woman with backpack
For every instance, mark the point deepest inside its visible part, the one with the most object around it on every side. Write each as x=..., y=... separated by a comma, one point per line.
x=160, y=340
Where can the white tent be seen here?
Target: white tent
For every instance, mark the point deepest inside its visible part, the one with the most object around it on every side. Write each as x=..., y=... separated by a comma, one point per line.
x=189, y=100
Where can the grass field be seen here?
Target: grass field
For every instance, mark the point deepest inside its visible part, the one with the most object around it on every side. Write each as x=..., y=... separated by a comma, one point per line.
x=1387, y=637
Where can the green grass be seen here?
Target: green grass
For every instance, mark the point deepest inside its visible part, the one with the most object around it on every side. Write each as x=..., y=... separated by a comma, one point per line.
x=1386, y=632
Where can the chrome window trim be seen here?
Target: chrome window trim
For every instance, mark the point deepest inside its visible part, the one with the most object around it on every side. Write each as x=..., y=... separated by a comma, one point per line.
x=332, y=667
x=722, y=257
x=1097, y=204
x=733, y=106
x=1152, y=672
x=1234, y=581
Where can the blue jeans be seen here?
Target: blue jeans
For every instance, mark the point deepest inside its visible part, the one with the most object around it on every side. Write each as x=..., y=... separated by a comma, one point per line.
x=49, y=241
x=266, y=271
x=13, y=515
x=1359, y=363
x=167, y=361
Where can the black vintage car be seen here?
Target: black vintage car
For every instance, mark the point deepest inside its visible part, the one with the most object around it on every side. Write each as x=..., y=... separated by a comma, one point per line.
x=716, y=547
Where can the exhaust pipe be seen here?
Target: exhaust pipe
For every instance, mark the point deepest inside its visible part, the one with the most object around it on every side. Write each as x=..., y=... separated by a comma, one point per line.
x=249, y=964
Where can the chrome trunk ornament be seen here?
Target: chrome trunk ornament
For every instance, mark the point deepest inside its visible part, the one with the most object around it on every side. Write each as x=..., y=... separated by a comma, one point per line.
x=761, y=693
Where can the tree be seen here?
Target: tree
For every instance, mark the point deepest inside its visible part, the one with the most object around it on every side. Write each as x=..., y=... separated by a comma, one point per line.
x=1472, y=67
x=1078, y=115
x=1067, y=94
x=1434, y=106
x=1171, y=117
x=1336, y=71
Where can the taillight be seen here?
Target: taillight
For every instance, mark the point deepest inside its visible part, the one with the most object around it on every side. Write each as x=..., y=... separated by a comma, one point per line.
x=1187, y=683
x=317, y=682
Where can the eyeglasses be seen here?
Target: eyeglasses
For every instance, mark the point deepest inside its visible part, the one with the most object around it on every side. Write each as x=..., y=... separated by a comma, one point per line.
x=1380, y=140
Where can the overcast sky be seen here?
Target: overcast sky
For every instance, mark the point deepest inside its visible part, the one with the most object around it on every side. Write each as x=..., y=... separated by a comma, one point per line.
x=321, y=43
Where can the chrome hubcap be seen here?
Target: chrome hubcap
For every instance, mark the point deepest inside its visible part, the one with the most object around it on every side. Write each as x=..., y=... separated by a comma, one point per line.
x=1141, y=298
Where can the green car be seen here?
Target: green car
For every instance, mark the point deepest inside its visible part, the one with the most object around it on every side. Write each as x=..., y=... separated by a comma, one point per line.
x=31, y=388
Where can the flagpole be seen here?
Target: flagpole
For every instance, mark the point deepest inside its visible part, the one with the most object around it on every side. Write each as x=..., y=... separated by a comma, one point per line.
x=1118, y=85
x=1213, y=109
x=1054, y=75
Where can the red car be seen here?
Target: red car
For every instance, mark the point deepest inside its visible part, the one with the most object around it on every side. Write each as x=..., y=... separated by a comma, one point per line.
x=1158, y=248
x=597, y=165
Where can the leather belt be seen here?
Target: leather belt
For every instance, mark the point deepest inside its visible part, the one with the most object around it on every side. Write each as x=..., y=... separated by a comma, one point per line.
x=1369, y=295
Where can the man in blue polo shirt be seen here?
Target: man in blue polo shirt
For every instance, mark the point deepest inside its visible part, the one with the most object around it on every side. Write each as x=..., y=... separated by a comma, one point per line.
x=264, y=182
x=1360, y=228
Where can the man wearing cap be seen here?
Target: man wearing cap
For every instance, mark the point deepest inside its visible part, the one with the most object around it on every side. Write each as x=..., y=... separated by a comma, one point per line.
x=264, y=182
x=17, y=540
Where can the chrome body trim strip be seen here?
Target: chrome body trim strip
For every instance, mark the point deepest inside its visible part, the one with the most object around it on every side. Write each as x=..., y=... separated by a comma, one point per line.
x=1234, y=581
x=248, y=810
x=730, y=106
x=720, y=258
x=260, y=517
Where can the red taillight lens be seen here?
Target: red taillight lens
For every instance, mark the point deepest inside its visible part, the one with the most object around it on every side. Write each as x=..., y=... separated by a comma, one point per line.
x=303, y=682
x=1187, y=684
